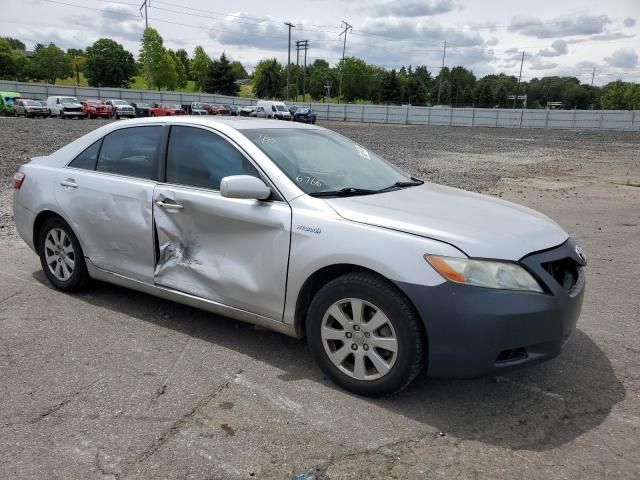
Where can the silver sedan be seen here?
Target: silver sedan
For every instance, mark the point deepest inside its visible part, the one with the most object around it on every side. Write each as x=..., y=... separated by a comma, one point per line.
x=300, y=230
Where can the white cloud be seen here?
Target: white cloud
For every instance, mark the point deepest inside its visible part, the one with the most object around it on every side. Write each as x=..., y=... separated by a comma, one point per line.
x=414, y=8
x=623, y=58
x=560, y=27
x=558, y=47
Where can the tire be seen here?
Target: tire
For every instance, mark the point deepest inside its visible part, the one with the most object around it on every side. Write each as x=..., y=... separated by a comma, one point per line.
x=68, y=270
x=398, y=322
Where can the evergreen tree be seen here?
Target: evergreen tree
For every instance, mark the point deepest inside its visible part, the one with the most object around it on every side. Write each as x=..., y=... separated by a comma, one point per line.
x=221, y=78
x=267, y=79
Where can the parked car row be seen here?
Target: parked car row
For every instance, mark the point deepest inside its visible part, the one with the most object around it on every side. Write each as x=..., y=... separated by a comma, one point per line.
x=12, y=103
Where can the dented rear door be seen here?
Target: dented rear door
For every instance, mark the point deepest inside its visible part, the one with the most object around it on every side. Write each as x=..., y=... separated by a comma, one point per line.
x=231, y=251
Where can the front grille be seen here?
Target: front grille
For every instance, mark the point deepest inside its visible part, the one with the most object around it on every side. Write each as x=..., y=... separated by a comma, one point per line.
x=72, y=109
x=564, y=271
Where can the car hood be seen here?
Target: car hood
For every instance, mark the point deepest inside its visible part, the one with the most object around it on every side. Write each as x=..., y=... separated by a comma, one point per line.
x=479, y=225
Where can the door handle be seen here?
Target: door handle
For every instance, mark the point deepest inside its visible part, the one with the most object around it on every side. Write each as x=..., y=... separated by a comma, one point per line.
x=69, y=183
x=175, y=206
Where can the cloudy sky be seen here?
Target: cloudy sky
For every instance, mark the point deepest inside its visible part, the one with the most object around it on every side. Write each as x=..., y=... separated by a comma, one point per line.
x=559, y=37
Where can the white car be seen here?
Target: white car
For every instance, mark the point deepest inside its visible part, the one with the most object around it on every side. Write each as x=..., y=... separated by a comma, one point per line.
x=65, y=107
x=300, y=230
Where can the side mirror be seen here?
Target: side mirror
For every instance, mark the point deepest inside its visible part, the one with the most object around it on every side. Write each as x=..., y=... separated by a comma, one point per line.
x=244, y=186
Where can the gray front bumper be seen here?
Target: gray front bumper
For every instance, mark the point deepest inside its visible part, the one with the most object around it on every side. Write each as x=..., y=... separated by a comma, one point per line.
x=470, y=328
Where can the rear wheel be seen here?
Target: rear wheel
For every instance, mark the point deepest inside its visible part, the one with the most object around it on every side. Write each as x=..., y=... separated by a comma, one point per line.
x=61, y=256
x=365, y=335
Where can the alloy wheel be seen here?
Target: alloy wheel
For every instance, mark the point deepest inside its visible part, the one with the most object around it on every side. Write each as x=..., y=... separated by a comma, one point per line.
x=359, y=339
x=59, y=254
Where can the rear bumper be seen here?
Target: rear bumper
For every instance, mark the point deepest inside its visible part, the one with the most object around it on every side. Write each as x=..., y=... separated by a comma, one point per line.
x=24, y=219
x=475, y=331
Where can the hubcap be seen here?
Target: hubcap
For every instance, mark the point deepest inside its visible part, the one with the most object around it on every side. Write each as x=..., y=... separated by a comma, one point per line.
x=359, y=339
x=59, y=254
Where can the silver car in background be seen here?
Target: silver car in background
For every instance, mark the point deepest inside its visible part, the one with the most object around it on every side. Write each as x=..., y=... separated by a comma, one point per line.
x=121, y=109
x=300, y=230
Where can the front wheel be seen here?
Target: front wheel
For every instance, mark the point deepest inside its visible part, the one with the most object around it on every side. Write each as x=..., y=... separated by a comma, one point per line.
x=365, y=335
x=61, y=256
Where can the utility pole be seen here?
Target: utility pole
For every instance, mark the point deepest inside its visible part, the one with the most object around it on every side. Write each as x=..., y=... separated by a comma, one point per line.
x=290, y=25
x=327, y=87
x=593, y=74
x=145, y=4
x=519, y=78
x=303, y=45
x=347, y=27
x=444, y=54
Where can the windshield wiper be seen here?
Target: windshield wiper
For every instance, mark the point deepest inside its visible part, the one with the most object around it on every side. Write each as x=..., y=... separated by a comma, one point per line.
x=344, y=192
x=412, y=183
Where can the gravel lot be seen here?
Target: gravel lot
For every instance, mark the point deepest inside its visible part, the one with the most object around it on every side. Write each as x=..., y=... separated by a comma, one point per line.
x=114, y=384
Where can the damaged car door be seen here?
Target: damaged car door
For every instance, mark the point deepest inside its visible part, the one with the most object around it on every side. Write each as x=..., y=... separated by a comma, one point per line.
x=231, y=251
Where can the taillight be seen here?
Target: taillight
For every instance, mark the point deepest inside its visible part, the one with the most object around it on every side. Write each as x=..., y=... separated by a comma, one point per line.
x=18, y=179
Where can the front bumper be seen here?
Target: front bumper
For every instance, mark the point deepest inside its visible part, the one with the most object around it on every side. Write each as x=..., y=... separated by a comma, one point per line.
x=126, y=113
x=474, y=331
x=73, y=113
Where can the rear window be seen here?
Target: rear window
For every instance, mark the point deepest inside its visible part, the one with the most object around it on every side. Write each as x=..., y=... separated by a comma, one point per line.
x=88, y=158
x=131, y=152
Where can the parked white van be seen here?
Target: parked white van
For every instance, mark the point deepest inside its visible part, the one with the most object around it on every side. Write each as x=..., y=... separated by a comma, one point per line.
x=65, y=106
x=275, y=109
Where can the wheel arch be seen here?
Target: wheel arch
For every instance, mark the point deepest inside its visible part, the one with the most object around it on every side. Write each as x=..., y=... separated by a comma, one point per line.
x=40, y=220
x=324, y=275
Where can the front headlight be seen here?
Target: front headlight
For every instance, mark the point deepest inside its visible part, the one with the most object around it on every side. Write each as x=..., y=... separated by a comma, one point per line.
x=484, y=273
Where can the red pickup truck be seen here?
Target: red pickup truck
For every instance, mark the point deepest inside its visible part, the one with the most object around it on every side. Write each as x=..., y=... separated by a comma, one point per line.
x=96, y=109
x=165, y=110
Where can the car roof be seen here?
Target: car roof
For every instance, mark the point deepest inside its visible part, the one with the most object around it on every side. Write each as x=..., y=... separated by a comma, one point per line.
x=237, y=123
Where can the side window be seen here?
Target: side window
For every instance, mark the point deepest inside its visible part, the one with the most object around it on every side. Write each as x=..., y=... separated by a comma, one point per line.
x=131, y=152
x=88, y=158
x=199, y=158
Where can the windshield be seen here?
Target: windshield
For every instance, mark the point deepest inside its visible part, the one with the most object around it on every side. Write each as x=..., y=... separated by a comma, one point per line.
x=143, y=105
x=31, y=103
x=323, y=161
x=280, y=108
x=69, y=100
x=119, y=102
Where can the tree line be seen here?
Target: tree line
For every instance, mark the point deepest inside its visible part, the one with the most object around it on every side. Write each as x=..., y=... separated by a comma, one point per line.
x=106, y=63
